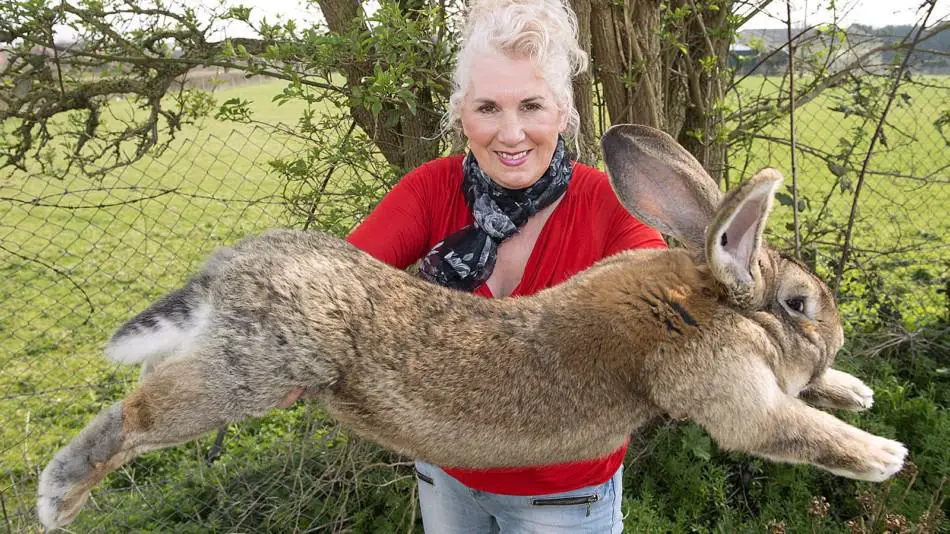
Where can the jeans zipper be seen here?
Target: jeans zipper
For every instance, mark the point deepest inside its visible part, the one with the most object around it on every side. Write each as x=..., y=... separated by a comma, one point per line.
x=424, y=478
x=568, y=501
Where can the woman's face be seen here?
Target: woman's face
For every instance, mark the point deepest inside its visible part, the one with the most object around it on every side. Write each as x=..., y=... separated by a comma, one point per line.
x=511, y=120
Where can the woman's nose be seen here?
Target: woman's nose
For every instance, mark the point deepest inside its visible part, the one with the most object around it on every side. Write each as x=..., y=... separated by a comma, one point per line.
x=511, y=130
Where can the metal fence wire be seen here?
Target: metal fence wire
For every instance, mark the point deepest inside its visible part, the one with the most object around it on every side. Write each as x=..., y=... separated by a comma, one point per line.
x=80, y=256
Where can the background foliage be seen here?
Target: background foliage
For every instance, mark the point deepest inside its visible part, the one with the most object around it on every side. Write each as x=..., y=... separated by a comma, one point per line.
x=134, y=148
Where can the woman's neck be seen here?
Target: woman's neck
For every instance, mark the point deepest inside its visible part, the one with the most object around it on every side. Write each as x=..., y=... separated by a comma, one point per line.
x=514, y=252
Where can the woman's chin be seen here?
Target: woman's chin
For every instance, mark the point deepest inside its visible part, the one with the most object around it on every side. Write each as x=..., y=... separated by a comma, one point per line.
x=518, y=177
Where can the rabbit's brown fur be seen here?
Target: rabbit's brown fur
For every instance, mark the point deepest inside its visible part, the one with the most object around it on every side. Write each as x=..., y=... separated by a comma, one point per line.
x=711, y=334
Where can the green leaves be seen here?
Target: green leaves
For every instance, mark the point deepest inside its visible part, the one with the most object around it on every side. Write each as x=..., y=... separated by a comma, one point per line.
x=242, y=13
x=708, y=63
x=195, y=103
x=697, y=442
x=786, y=199
x=234, y=109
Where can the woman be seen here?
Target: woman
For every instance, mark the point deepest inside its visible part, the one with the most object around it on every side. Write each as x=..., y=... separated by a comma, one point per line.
x=513, y=217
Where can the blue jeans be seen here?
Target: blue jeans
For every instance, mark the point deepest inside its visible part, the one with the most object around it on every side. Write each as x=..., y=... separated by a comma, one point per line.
x=448, y=506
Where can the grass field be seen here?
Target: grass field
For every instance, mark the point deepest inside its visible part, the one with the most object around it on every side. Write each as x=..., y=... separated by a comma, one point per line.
x=80, y=257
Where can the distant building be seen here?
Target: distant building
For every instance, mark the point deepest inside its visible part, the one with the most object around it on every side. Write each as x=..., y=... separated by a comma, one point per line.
x=758, y=56
x=742, y=57
x=741, y=51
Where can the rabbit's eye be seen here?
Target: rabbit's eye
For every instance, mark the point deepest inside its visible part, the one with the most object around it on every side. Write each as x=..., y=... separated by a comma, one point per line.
x=796, y=304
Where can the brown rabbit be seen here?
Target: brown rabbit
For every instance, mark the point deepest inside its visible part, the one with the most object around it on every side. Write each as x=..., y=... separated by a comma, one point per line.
x=727, y=333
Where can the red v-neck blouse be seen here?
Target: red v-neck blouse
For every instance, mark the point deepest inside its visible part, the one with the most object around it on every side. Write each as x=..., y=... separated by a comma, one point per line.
x=588, y=225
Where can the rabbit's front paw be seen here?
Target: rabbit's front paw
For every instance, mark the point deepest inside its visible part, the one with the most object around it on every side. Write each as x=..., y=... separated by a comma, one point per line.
x=882, y=459
x=862, y=396
x=885, y=459
x=840, y=390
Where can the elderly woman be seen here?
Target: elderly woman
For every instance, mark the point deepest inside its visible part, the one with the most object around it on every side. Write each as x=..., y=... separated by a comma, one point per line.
x=512, y=217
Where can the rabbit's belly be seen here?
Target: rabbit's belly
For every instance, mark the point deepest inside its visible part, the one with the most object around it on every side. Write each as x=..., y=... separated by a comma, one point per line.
x=466, y=440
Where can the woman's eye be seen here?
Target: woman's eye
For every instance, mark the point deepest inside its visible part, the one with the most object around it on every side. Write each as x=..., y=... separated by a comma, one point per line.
x=487, y=108
x=531, y=107
x=796, y=304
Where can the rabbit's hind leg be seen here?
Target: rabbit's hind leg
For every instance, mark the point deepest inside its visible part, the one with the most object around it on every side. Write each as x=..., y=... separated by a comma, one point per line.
x=178, y=402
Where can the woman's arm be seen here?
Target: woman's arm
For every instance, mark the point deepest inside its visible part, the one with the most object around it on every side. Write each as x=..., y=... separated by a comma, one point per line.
x=397, y=231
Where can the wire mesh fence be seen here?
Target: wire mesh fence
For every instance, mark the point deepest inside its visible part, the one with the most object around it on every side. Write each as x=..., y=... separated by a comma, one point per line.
x=80, y=256
x=873, y=220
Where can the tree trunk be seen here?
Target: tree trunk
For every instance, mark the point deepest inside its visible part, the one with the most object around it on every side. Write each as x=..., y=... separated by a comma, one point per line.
x=609, y=60
x=642, y=26
x=588, y=145
x=652, y=74
x=626, y=45
x=404, y=144
x=702, y=120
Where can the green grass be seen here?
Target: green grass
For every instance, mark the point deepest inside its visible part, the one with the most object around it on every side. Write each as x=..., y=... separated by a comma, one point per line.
x=70, y=276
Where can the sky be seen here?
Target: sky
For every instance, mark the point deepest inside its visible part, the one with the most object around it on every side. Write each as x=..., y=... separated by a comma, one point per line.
x=868, y=12
x=805, y=13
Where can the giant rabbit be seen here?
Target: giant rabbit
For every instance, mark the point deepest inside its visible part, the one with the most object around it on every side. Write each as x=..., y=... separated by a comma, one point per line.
x=727, y=332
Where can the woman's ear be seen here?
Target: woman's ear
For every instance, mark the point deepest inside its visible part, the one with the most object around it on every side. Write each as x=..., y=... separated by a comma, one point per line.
x=460, y=128
x=565, y=113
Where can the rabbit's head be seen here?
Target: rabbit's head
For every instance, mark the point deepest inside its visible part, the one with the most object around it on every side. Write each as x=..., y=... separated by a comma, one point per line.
x=663, y=185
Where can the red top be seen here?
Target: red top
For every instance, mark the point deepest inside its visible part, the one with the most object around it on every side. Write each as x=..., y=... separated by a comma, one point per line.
x=588, y=224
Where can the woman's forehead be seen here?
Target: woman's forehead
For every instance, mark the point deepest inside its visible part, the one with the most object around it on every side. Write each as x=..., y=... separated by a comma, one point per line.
x=497, y=77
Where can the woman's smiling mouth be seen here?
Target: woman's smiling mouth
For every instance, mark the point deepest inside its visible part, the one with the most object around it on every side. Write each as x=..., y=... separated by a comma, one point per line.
x=513, y=159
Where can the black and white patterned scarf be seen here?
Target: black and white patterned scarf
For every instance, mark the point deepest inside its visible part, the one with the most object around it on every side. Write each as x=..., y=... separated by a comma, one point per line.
x=466, y=258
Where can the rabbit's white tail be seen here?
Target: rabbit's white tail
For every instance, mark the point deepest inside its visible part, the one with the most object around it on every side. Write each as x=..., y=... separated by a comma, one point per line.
x=170, y=325
x=165, y=328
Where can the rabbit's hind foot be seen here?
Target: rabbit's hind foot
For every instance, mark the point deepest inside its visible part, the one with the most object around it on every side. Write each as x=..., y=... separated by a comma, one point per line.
x=65, y=483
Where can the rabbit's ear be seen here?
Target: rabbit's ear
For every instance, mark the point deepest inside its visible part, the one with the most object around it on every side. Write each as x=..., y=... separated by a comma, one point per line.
x=734, y=237
x=659, y=182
